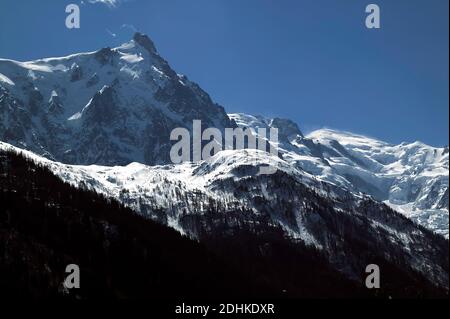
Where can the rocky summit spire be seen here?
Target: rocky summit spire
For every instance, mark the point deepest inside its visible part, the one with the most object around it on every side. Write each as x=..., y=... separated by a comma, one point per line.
x=144, y=41
x=286, y=127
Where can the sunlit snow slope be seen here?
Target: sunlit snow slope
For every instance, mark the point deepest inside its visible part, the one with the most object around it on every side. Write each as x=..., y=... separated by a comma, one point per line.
x=411, y=178
x=113, y=106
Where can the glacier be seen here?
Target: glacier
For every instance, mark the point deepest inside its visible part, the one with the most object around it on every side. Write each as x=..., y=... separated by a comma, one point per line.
x=412, y=178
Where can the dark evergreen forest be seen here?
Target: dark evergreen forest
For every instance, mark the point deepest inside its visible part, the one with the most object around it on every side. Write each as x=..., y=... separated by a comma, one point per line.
x=46, y=224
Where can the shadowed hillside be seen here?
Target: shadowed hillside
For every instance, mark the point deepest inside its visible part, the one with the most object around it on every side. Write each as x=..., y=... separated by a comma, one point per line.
x=46, y=224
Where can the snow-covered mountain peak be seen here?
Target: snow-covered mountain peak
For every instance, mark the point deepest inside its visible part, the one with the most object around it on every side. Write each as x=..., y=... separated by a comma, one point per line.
x=407, y=155
x=411, y=177
x=344, y=138
x=114, y=106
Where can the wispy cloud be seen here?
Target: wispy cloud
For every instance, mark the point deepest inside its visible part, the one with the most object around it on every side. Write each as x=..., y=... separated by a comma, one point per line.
x=112, y=4
x=109, y=3
x=129, y=26
x=111, y=33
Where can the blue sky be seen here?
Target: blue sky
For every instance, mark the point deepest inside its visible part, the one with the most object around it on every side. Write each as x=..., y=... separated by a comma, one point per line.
x=312, y=61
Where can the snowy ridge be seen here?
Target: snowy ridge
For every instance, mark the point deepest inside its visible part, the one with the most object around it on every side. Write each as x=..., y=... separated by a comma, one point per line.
x=411, y=178
x=135, y=183
x=226, y=193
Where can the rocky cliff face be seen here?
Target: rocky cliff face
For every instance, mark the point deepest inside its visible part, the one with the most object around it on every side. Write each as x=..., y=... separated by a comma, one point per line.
x=110, y=107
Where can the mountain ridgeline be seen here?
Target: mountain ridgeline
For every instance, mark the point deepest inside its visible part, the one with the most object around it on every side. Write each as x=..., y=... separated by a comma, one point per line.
x=86, y=178
x=109, y=107
x=118, y=105
x=46, y=224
